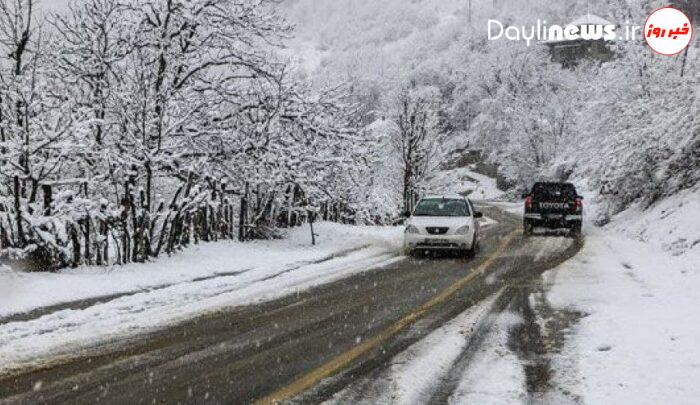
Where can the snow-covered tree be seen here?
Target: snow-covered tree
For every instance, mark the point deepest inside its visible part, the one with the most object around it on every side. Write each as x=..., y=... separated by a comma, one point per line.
x=416, y=138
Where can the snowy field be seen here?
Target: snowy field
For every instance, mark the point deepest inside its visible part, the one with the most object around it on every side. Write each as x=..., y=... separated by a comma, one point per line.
x=141, y=297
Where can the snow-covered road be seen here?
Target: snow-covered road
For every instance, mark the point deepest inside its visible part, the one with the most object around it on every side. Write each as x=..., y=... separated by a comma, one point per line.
x=488, y=354
x=611, y=323
x=614, y=324
x=155, y=334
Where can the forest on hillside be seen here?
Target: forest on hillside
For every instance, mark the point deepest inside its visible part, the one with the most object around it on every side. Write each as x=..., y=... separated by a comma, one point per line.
x=629, y=126
x=132, y=128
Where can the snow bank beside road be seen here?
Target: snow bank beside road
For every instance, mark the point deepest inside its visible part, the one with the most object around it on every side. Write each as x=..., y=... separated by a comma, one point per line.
x=635, y=284
x=637, y=342
x=672, y=224
x=202, y=279
x=24, y=292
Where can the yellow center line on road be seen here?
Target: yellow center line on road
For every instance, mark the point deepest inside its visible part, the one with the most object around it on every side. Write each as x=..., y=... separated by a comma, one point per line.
x=343, y=360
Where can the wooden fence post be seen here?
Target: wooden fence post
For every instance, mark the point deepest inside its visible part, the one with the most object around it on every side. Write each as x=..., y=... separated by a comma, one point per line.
x=242, y=216
x=75, y=240
x=104, y=231
x=87, y=231
x=231, y=222
x=18, y=213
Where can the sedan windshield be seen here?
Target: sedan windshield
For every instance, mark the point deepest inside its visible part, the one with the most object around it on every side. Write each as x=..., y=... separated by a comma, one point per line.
x=439, y=207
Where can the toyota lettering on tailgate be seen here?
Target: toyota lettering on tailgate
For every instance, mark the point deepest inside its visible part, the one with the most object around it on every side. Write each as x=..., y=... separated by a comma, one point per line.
x=553, y=205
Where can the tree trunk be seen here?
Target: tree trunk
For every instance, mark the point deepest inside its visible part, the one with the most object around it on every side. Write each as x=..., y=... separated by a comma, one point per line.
x=48, y=198
x=75, y=241
x=311, y=225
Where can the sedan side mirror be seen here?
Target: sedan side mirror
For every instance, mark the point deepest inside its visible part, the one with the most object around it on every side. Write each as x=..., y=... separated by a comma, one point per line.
x=478, y=215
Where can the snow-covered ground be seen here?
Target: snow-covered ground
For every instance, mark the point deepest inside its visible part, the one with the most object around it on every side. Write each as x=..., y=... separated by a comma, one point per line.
x=672, y=225
x=204, y=278
x=23, y=292
x=637, y=340
x=634, y=284
x=464, y=180
x=635, y=287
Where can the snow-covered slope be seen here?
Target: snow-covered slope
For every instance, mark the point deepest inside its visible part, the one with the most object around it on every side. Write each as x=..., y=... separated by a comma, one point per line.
x=672, y=224
x=464, y=181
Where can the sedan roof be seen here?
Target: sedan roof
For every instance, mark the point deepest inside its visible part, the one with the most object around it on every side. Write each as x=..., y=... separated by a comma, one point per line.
x=444, y=197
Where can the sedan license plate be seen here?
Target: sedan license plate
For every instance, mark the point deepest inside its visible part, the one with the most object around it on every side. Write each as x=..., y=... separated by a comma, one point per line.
x=436, y=241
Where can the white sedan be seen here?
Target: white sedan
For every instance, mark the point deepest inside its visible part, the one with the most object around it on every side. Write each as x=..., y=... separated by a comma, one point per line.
x=442, y=223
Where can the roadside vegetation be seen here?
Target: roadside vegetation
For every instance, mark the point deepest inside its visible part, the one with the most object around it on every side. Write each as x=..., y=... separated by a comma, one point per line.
x=132, y=128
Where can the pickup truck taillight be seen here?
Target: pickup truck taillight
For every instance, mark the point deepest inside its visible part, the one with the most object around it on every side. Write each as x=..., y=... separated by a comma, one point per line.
x=578, y=204
x=528, y=203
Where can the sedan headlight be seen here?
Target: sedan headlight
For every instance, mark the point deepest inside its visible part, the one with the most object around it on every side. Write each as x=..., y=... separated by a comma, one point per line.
x=463, y=230
x=412, y=229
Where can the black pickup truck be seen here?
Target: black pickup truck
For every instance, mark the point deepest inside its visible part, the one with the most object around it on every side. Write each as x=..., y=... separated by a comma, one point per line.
x=553, y=206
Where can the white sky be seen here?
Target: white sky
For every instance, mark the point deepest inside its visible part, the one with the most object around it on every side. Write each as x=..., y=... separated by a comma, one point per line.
x=53, y=4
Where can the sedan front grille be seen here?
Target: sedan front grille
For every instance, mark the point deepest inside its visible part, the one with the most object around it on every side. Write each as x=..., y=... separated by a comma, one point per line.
x=436, y=230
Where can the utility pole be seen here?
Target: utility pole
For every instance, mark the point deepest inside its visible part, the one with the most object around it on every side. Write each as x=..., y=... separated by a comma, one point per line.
x=469, y=11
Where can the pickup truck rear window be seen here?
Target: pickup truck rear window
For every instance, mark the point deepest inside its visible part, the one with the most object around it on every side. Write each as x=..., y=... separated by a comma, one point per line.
x=553, y=190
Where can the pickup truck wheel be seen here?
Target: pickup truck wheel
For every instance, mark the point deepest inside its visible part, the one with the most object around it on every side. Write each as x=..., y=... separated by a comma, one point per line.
x=576, y=229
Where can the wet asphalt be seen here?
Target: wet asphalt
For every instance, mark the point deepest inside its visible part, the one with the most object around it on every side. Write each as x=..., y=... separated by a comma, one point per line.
x=238, y=355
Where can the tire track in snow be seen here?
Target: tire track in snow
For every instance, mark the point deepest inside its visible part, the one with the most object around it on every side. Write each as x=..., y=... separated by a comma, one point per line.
x=410, y=376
